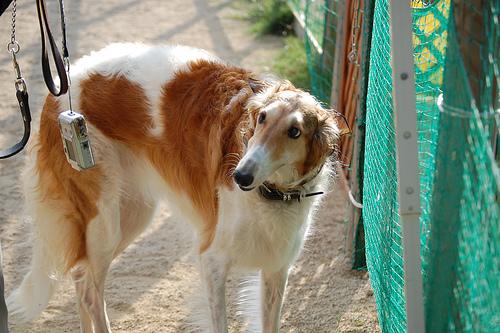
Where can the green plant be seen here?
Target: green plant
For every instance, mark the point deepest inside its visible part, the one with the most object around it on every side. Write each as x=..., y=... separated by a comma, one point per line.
x=270, y=17
x=291, y=63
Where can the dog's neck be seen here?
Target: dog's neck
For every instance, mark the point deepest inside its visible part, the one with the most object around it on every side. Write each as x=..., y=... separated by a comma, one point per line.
x=307, y=182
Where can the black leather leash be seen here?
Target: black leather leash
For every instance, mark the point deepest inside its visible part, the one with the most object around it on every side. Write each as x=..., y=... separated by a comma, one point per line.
x=22, y=99
x=46, y=34
x=22, y=95
x=20, y=84
x=4, y=4
x=21, y=90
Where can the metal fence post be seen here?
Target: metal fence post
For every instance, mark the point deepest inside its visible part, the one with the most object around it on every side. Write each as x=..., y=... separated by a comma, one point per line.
x=405, y=124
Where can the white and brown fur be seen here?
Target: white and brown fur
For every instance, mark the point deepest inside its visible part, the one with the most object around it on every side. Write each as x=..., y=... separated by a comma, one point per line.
x=173, y=123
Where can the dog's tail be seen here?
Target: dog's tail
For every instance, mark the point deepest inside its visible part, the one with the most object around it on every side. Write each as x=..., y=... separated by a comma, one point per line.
x=57, y=248
x=58, y=236
x=34, y=293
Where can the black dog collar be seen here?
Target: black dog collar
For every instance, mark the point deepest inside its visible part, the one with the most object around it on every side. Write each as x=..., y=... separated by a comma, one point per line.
x=270, y=192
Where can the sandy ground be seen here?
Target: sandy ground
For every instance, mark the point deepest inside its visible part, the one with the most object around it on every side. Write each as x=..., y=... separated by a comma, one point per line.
x=149, y=286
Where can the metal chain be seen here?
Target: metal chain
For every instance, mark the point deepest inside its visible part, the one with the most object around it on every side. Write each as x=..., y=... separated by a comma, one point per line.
x=13, y=35
x=353, y=55
x=13, y=46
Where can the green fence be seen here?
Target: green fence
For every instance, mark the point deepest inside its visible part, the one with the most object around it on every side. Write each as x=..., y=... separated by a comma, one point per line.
x=380, y=211
x=319, y=19
x=462, y=282
x=457, y=121
x=460, y=181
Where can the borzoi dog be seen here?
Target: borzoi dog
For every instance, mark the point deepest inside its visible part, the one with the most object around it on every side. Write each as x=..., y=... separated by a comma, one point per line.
x=242, y=159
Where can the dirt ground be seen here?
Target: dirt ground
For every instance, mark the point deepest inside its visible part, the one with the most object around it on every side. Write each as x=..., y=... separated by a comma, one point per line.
x=150, y=285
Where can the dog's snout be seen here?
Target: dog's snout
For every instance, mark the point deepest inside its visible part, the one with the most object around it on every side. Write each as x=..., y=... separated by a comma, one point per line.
x=243, y=178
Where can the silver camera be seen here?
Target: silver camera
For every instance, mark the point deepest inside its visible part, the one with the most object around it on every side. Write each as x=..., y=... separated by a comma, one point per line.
x=75, y=139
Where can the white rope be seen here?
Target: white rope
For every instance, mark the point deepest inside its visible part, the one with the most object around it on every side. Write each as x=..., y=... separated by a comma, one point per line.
x=354, y=202
x=461, y=113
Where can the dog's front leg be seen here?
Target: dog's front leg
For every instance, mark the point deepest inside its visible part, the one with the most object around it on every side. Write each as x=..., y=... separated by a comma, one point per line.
x=272, y=289
x=213, y=272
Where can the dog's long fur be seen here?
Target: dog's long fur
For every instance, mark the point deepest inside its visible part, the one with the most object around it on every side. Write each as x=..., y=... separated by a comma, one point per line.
x=173, y=123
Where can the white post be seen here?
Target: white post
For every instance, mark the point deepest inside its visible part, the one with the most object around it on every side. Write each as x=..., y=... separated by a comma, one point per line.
x=405, y=123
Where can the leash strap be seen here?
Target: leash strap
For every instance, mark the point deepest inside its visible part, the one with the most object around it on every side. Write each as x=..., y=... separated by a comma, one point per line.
x=4, y=4
x=21, y=93
x=46, y=34
x=22, y=99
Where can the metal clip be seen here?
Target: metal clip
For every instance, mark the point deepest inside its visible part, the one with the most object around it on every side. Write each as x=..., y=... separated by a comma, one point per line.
x=15, y=64
x=353, y=56
x=13, y=47
x=66, y=64
x=21, y=84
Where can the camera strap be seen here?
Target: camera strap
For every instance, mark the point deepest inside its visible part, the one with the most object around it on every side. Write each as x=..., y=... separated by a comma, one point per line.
x=46, y=35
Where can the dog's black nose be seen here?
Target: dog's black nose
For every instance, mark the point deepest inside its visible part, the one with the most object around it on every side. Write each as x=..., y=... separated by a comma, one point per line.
x=243, y=179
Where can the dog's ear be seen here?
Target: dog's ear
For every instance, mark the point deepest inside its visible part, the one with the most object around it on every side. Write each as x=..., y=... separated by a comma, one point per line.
x=322, y=143
x=341, y=121
x=256, y=85
x=254, y=106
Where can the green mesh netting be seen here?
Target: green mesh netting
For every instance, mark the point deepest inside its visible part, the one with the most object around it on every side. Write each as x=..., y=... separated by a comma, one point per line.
x=298, y=7
x=319, y=19
x=459, y=175
x=463, y=266
x=321, y=33
x=380, y=206
x=458, y=142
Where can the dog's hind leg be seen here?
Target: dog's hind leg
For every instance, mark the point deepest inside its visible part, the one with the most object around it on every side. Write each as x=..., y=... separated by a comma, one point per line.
x=78, y=275
x=136, y=214
x=102, y=239
x=214, y=269
x=107, y=236
x=272, y=289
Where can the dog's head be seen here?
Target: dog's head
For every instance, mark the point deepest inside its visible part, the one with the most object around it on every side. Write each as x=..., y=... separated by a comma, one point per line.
x=290, y=138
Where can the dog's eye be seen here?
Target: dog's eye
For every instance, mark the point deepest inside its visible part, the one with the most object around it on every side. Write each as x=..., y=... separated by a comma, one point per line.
x=293, y=132
x=262, y=117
